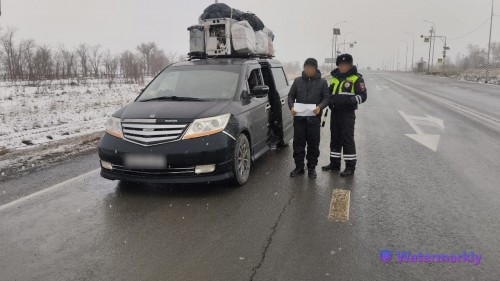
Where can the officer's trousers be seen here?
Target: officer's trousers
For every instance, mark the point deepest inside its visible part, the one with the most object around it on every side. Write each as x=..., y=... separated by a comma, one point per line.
x=306, y=131
x=342, y=138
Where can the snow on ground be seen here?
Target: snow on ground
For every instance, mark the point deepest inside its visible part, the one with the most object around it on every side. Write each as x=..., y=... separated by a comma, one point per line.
x=476, y=75
x=31, y=115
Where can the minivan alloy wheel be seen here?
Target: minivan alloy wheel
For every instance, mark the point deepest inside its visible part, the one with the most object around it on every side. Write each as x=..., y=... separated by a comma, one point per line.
x=242, y=160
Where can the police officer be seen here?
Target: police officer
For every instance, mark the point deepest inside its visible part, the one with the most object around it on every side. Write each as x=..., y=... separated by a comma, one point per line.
x=310, y=88
x=347, y=90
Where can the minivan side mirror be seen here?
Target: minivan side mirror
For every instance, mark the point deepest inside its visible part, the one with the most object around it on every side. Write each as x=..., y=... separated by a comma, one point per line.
x=260, y=91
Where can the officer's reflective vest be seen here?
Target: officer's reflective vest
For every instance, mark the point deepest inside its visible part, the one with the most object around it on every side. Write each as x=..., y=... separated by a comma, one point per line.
x=339, y=85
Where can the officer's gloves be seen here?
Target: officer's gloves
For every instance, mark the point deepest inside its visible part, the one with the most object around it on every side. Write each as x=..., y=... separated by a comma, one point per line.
x=341, y=100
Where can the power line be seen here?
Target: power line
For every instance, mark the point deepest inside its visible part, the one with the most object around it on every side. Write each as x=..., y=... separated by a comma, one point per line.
x=475, y=29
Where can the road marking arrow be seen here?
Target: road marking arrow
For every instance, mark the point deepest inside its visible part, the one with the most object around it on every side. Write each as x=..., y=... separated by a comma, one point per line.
x=428, y=140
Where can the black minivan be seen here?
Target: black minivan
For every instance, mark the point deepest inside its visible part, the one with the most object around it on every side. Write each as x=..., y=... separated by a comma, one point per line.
x=199, y=121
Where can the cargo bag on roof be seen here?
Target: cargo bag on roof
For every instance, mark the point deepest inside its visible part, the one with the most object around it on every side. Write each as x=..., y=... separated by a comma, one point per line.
x=243, y=38
x=253, y=20
x=261, y=43
x=220, y=10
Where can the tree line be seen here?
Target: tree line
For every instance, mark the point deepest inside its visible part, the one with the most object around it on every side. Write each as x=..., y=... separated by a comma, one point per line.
x=477, y=57
x=25, y=60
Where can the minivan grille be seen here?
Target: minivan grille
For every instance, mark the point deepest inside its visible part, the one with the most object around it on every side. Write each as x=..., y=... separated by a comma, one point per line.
x=151, y=133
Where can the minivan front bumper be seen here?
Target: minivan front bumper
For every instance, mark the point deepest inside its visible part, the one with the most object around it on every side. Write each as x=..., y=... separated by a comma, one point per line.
x=182, y=158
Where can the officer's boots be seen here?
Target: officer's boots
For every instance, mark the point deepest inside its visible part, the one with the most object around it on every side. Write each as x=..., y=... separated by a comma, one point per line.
x=297, y=172
x=348, y=171
x=331, y=167
x=311, y=172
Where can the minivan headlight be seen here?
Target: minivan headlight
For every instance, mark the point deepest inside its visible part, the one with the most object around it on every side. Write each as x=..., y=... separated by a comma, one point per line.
x=114, y=127
x=206, y=126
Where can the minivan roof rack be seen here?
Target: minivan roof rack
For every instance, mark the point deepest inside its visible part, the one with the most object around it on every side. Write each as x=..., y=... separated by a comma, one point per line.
x=201, y=56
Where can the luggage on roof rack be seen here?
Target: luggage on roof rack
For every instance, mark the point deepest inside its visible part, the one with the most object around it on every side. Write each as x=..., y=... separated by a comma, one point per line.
x=228, y=32
x=218, y=36
x=254, y=21
x=220, y=10
x=243, y=37
x=196, y=40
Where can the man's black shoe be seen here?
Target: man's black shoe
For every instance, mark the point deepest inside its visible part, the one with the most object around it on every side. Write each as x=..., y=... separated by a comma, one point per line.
x=347, y=172
x=312, y=173
x=331, y=167
x=297, y=172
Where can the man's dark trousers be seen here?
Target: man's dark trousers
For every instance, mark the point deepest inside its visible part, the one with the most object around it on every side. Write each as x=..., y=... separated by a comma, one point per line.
x=342, y=138
x=306, y=131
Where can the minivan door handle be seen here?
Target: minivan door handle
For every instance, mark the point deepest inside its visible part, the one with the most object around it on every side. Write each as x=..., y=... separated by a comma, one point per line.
x=268, y=106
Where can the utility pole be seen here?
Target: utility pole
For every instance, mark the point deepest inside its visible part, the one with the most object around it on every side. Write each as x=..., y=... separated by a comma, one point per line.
x=397, y=64
x=406, y=57
x=336, y=32
x=333, y=44
x=432, y=42
x=412, y=51
x=430, y=45
x=489, y=46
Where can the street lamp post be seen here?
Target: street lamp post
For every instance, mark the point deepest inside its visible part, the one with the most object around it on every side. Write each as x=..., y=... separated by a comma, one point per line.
x=345, y=36
x=433, y=40
x=334, y=41
x=413, y=50
x=489, y=46
x=406, y=57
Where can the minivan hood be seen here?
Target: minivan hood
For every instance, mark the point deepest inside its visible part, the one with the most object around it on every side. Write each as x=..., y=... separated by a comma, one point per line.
x=171, y=109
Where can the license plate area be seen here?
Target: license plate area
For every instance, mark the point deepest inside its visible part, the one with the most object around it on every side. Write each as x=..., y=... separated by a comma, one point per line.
x=145, y=161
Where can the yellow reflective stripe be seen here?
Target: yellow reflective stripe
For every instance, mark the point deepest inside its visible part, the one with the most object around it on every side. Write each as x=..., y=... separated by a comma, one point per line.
x=353, y=78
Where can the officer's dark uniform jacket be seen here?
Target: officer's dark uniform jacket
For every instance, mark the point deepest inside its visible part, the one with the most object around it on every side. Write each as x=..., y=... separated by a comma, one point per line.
x=307, y=128
x=347, y=92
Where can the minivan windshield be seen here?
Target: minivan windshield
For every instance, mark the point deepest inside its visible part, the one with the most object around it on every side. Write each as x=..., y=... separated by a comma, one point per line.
x=195, y=82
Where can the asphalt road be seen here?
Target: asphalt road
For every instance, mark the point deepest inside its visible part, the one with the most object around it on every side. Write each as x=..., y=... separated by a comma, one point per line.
x=421, y=185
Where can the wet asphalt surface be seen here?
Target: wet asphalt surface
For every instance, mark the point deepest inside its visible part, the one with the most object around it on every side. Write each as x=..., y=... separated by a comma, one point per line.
x=404, y=197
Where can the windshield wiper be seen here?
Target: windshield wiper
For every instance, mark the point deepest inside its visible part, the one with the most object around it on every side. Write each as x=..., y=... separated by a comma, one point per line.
x=175, y=98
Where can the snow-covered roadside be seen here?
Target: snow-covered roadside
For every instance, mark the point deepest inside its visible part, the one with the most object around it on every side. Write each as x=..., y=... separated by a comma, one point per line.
x=19, y=162
x=477, y=76
x=31, y=115
x=43, y=124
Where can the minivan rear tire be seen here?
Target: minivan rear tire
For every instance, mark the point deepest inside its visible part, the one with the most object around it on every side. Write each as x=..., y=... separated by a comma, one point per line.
x=242, y=160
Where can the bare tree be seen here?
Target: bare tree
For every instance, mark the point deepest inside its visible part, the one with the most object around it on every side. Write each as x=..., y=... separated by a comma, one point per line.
x=69, y=66
x=147, y=50
x=82, y=51
x=10, y=54
x=130, y=65
x=28, y=53
x=95, y=59
x=43, y=62
x=158, y=61
x=111, y=64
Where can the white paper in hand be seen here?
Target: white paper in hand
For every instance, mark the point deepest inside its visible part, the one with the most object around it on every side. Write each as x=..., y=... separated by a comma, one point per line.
x=304, y=109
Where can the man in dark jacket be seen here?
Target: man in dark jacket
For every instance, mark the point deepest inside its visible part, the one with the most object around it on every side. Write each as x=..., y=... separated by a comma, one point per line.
x=347, y=90
x=310, y=88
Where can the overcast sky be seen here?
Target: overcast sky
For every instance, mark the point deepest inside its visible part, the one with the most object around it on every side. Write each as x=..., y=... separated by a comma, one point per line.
x=302, y=28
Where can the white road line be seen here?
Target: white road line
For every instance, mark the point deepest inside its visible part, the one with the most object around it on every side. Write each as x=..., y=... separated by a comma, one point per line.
x=48, y=189
x=463, y=109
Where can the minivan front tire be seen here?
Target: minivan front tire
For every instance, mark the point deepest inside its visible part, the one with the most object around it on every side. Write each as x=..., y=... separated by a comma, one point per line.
x=242, y=160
